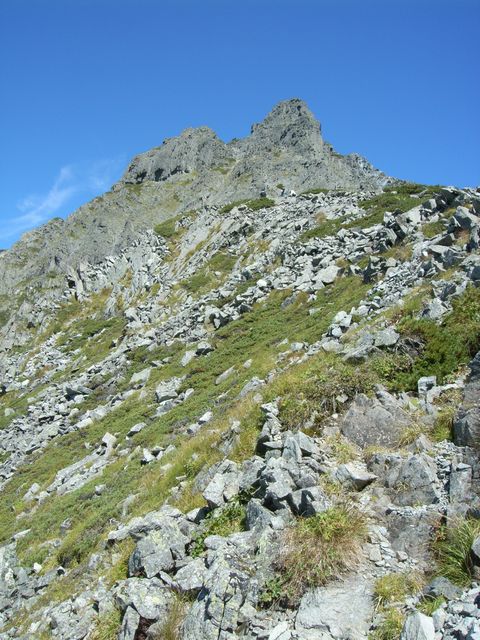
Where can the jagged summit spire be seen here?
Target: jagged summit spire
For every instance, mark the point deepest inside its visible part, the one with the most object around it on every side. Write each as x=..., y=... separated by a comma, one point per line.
x=286, y=113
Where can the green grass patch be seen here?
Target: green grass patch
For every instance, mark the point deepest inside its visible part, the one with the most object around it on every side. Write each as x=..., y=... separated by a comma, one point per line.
x=395, y=587
x=452, y=551
x=254, y=205
x=207, y=277
x=432, y=229
x=324, y=228
x=390, y=627
x=396, y=198
x=444, y=347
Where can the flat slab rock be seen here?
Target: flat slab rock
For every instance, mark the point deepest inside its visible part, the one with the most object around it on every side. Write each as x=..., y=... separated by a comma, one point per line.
x=343, y=609
x=379, y=421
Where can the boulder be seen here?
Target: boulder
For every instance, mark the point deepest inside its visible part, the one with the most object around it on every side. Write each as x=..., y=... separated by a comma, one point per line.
x=418, y=627
x=354, y=476
x=224, y=484
x=149, y=597
x=141, y=377
x=375, y=421
x=343, y=609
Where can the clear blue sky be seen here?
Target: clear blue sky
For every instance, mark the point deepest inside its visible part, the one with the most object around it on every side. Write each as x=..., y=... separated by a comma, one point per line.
x=86, y=84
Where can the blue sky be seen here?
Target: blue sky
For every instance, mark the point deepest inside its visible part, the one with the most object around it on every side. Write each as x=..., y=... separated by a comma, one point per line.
x=87, y=84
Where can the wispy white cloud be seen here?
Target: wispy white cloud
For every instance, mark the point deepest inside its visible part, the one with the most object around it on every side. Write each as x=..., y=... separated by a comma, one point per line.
x=73, y=182
x=35, y=209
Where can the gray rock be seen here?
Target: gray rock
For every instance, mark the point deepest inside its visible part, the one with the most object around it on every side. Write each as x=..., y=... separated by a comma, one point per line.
x=191, y=577
x=386, y=338
x=141, y=377
x=224, y=485
x=344, y=610
x=136, y=429
x=354, y=476
x=130, y=624
x=375, y=421
x=442, y=587
x=418, y=627
x=475, y=555
x=168, y=390
x=149, y=597
x=328, y=275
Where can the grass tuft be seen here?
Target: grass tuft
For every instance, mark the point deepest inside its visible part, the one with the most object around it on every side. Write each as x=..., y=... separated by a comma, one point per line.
x=320, y=548
x=452, y=550
x=394, y=587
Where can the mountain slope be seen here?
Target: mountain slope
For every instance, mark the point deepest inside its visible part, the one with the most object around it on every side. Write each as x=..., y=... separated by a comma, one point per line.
x=256, y=421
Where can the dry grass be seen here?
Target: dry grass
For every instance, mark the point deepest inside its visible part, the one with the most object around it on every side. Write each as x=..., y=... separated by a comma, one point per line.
x=172, y=626
x=320, y=548
x=342, y=449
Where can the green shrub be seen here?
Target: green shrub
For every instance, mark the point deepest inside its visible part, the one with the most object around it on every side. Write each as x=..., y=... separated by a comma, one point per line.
x=221, y=522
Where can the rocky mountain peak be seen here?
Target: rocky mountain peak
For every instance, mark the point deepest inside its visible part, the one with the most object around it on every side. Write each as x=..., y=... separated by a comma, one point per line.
x=287, y=124
x=195, y=149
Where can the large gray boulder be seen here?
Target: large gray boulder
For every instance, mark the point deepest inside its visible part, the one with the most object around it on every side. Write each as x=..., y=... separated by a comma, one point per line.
x=158, y=551
x=343, y=610
x=149, y=597
x=375, y=421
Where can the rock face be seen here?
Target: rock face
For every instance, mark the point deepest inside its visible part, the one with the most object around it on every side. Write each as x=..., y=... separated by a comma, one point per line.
x=301, y=157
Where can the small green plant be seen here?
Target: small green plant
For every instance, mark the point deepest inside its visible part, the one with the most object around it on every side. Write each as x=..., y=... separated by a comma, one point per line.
x=390, y=627
x=452, y=550
x=272, y=592
x=428, y=605
x=221, y=522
